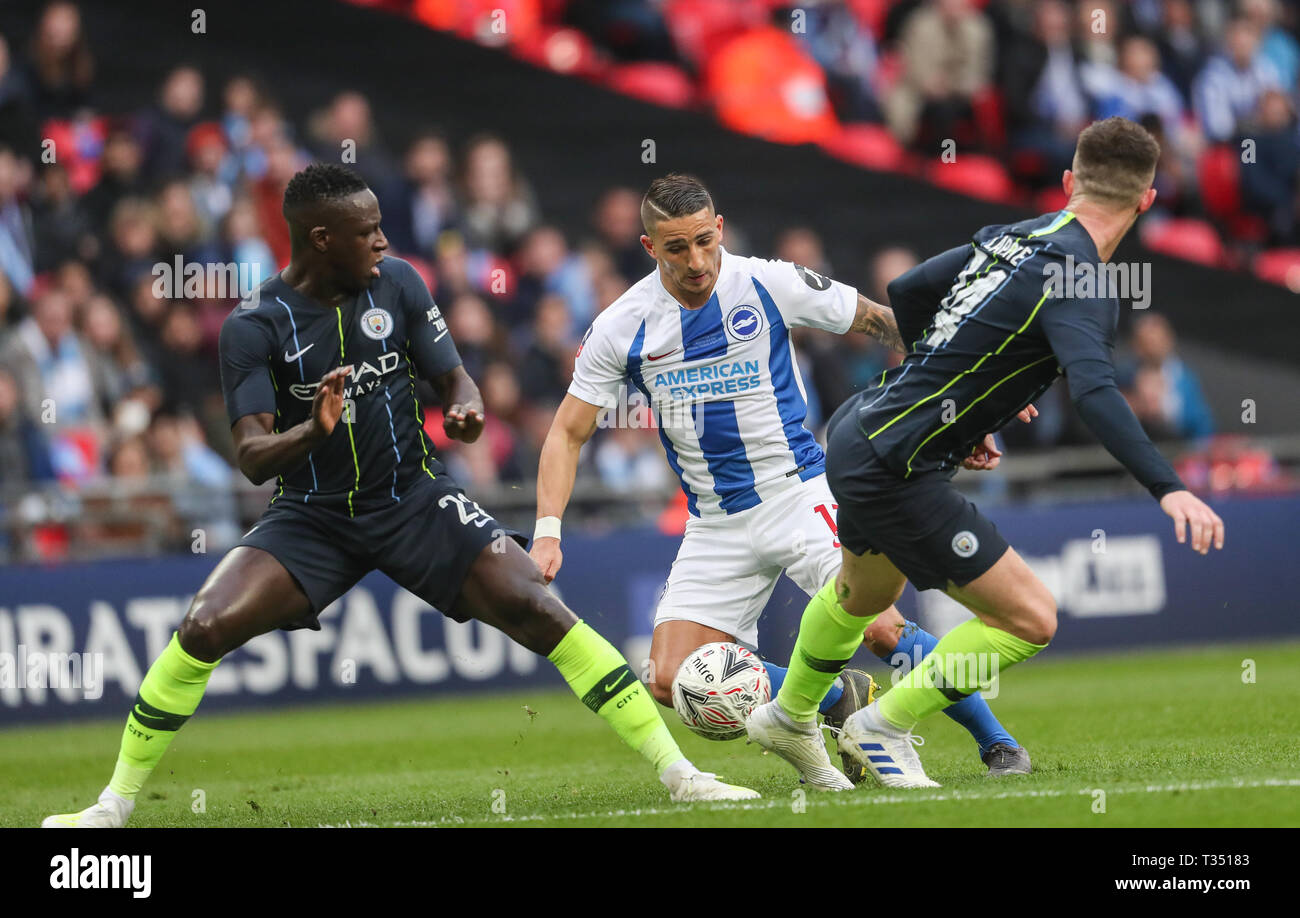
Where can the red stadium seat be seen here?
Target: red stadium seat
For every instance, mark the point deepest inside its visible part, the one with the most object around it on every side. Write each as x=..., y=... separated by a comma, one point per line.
x=700, y=27
x=975, y=175
x=662, y=84
x=1193, y=240
x=1279, y=266
x=1217, y=172
x=867, y=145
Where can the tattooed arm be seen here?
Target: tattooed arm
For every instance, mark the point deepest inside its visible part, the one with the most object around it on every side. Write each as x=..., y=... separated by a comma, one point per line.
x=878, y=321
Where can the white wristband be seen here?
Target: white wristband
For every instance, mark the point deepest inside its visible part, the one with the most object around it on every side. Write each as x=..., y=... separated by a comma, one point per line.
x=548, y=527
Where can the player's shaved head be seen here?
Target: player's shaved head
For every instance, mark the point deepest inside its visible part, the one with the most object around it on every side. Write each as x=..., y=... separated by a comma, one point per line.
x=672, y=196
x=1115, y=162
x=311, y=194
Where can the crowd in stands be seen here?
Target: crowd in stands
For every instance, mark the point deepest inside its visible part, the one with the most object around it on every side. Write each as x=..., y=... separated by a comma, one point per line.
x=105, y=377
x=1006, y=85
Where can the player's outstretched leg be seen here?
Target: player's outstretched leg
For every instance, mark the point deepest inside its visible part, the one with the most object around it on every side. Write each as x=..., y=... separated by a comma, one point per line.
x=829, y=634
x=903, y=644
x=247, y=594
x=1016, y=618
x=506, y=590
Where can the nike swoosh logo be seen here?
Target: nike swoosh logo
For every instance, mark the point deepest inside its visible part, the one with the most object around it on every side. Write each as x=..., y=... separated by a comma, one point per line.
x=290, y=358
x=662, y=356
x=617, y=683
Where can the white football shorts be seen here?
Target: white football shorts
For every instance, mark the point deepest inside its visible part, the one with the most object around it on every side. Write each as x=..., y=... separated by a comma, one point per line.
x=727, y=567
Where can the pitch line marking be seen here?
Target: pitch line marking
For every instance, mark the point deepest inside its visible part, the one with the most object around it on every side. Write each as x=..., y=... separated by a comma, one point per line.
x=839, y=800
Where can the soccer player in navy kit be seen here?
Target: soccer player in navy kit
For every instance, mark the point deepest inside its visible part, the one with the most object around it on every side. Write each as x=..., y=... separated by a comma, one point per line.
x=991, y=325
x=319, y=370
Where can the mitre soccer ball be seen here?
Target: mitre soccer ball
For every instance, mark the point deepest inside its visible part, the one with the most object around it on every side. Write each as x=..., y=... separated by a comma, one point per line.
x=717, y=687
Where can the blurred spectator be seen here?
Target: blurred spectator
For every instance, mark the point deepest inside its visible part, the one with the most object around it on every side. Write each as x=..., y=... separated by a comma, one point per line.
x=427, y=205
x=1268, y=184
x=55, y=365
x=1146, y=396
x=17, y=242
x=24, y=453
x=1046, y=104
x=120, y=177
x=629, y=459
x=947, y=51
x=346, y=130
x=205, y=150
x=60, y=66
x=163, y=127
x=846, y=51
x=499, y=206
x=548, y=358
x=120, y=366
x=1169, y=391
x=1228, y=89
x=547, y=266
x=617, y=221
x=1136, y=87
x=17, y=120
x=1182, y=45
x=63, y=228
x=1277, y=46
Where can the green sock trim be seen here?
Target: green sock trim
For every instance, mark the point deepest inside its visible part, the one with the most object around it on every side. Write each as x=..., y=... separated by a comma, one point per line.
x=968, y=654
x=828, y=638
x=601, y=678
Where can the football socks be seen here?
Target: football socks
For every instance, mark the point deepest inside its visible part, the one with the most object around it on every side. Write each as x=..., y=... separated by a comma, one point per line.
x=968, y=655
x=600, y=676
x=777, y=675
x=828, y=637
x=972, y=712
x=170, y=692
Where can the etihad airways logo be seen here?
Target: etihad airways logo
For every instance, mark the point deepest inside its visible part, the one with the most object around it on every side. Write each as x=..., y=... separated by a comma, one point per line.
x=365, y=378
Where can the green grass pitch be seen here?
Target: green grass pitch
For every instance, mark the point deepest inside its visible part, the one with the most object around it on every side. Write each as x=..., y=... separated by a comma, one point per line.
x=1171, y=739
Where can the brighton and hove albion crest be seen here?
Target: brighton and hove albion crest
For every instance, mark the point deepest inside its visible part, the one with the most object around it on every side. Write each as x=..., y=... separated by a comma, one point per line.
x=376, y=323
x=744, y=322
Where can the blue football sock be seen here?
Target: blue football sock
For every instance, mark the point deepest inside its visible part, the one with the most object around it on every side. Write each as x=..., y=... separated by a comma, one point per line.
x=972, y=712
x=777, y=675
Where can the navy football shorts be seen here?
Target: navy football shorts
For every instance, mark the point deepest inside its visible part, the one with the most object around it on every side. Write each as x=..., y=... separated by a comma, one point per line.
x=930, y=531
x=425, y=542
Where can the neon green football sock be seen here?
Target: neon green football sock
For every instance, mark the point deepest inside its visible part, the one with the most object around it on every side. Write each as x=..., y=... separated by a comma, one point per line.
x=169, y=694
x=828, y=636
x=966, y=659
x=600, y=676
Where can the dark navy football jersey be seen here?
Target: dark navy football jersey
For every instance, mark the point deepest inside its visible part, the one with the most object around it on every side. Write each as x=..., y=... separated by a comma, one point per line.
x=276, y=346
x=987, y=338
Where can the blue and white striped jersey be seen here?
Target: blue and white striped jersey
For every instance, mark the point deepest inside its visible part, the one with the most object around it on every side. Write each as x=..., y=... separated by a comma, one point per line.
x=722, y=379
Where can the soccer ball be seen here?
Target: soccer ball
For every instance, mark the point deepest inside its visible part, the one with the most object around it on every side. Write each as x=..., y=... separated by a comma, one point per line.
x=717, y=687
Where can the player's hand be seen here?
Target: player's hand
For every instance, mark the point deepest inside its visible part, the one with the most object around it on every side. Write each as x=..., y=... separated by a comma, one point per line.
x=463, y=422
x=1189, y=511
x=327, y=406
x=1027, y=413
x=984, y=457
x=547, y=556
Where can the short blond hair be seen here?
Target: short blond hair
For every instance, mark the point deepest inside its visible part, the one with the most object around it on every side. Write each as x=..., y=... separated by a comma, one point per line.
x=1115, y=161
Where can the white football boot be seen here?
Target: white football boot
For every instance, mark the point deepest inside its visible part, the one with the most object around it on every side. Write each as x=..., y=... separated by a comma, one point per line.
x=883, y=750
x=801, y=745
x=687, y=784
x=111, y=812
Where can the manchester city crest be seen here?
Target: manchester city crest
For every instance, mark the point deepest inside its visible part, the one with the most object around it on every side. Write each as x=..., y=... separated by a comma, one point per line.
x=376, y=323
